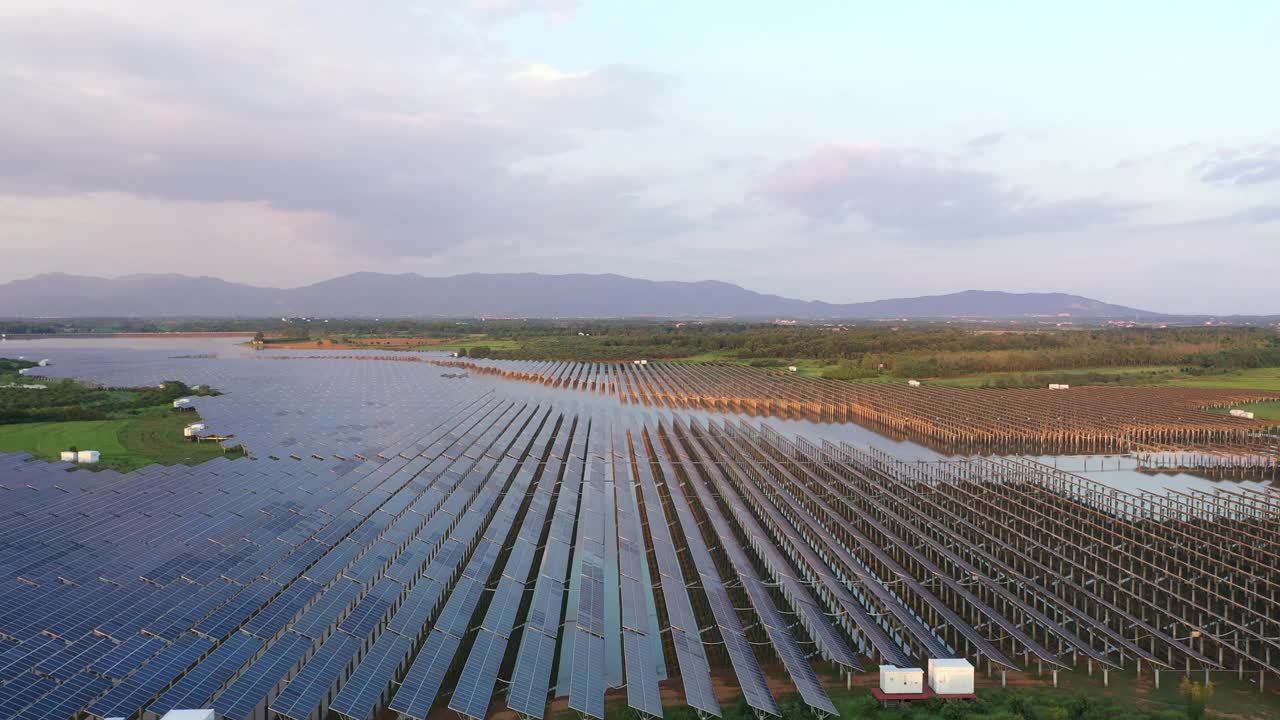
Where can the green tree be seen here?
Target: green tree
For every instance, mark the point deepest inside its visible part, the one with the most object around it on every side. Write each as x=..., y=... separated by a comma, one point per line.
x=1197, y=696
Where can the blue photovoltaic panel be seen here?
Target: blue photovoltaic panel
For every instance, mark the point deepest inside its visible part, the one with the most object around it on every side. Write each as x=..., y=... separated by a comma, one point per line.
x=24, y=691
x=77, y=656
x=372, y=609
x=129, y=696
x=322, y=617
x=503, y=607
x=586, y=682
x=308, y=690
x=455, y=618
x=544, y=612
x=475, y=686
x=68, y=699
x=422, y=683
x=247, y=692
x=237, y=610
x=531, y=677
x=362, y=694
x=286, y=606
x=370, y=565
x=127, y=656
x=642, y=675
x=333, y=563
x=418, y=606
x=21, y=658
x=197, y=686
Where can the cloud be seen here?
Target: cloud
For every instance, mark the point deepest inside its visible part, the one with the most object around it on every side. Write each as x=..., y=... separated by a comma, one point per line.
x=1252, y=165
x=1257, y=215
x=504, y=9
x=923, y=194
x=985, y=141
x=413, y=136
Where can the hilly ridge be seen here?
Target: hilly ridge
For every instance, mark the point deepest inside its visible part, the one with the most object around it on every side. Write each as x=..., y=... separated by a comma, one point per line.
x=368, y=294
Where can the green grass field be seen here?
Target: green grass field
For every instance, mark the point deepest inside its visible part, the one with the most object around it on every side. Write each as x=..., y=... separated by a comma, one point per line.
x=1261, y=410
x=471, y=342
x=1252, y=379
x=152, y=436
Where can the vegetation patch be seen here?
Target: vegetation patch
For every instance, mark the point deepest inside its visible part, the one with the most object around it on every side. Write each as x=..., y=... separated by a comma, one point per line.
x=130, y=427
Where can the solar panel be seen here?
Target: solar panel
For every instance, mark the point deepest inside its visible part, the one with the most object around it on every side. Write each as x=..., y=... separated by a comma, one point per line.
x=307, y=692
x=531, y=677
x=24, y=691
x=126, y=657
x=455, y=618
x=243, y=696
x=129, y=696
x=21, y=658
x=422, y=683
x=322, y=617
x=372, y=609
x=68, y=699
x=77, y=656
x=362, y=694
x=642, y=676
x=479, y=676
x=418, y=607
x=283, y=609
x=586, y=682
x=196, y=688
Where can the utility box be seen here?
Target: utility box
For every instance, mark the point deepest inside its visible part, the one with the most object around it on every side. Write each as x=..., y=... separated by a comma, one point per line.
x=88, y=456
x=901, y=681
x=951, y=676
x=190, y=715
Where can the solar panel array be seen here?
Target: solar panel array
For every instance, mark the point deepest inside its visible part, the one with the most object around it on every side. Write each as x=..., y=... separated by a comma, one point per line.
x=398, y=542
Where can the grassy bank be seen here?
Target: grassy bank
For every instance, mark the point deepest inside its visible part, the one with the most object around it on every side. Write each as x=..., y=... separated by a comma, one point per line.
x=152, y=436
x=130, y=427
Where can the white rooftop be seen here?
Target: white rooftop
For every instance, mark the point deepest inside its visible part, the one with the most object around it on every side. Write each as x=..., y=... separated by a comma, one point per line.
x=189, y=715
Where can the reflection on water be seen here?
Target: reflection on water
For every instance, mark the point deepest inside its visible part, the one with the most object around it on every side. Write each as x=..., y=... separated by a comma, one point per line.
x=227, y=362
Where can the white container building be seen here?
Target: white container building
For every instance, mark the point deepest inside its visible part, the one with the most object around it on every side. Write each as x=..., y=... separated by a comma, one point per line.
x=190, y=715
x=793, y=368
x=951, y=676
x=88, y=456
x=1237, y=412
x=182, y=403
x=913, y=383
x=1059, y=386
x=68, y=456
x=901, y=681
x=192, y=430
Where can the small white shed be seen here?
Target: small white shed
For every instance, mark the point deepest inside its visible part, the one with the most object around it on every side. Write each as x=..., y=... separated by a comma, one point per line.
x=1059, y=386
x=901, y=681
x=192, y=430
x=88, y=456
x=913, y=383
x=950, y=676
x=190, y=715
x=793, y=368
x=1237, y=412
x=182, y=403
x=68, y=456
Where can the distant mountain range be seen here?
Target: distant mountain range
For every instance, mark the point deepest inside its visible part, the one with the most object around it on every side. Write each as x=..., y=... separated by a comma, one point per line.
x=366, y=294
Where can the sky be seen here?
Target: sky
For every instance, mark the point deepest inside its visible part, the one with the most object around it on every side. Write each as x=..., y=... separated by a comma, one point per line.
x=839, y=151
